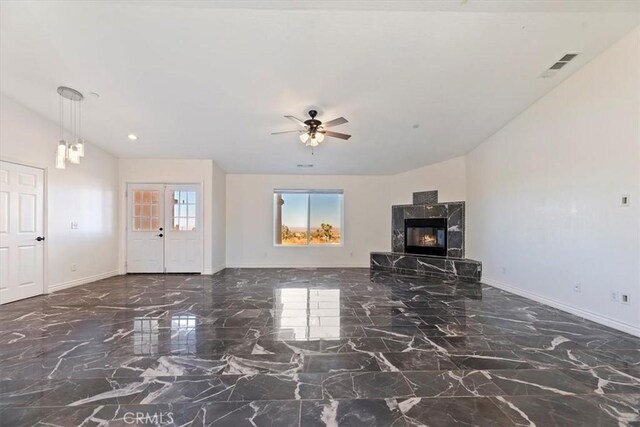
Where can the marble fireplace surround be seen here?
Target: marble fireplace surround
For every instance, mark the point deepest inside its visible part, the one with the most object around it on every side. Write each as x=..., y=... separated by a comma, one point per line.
x=452, y=267
x=453, y=211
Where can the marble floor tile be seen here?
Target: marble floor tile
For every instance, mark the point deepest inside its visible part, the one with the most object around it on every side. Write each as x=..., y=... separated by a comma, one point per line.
x=467, y=411
x=278, y=387
x=361, y=412
x=568, y=410
x=306, y=347
x=365, y=385
x=452, y=383
x=524, y=382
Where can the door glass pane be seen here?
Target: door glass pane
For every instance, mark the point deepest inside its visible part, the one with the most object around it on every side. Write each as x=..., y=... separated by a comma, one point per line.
x=184, y=210
x=325, y=218
x=146, y=208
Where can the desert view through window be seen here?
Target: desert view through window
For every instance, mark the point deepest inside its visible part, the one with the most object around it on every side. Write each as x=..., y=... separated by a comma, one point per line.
x=309, y=217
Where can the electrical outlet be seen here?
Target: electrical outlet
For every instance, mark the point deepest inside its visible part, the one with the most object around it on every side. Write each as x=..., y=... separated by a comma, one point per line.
x=613, y=296
x=577, y=287
x=74, y=266
x=625, y=299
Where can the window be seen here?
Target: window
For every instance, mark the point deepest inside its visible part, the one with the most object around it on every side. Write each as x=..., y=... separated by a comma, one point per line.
x=308, y=217
x=184, y=210
x=145, y=210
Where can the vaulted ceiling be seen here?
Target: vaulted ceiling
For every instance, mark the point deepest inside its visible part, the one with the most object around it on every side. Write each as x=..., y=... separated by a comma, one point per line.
x=419, y=82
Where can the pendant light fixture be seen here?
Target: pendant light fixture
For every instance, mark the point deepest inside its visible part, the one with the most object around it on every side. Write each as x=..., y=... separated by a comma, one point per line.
x=70, y=149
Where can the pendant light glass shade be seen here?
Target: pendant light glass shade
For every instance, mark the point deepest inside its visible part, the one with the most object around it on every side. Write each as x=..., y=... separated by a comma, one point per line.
x=320, y=137
x=61, y=162
x=62, y=149
x=304, y=137
x=74, y=156
x=80, y=145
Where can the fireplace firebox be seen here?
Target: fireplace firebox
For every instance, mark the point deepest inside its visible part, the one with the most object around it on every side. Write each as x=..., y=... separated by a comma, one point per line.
x=426, y=236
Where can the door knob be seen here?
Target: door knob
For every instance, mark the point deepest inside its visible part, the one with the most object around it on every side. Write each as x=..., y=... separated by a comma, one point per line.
x=40, y=238
x=160, y=235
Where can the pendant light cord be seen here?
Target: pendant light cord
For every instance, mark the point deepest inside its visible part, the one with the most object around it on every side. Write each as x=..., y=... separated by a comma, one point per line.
x=61, y=114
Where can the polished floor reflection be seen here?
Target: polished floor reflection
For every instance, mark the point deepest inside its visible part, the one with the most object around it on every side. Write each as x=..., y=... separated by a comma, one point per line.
x=308, y=347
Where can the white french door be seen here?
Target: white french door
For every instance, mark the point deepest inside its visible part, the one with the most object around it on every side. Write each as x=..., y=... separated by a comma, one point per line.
x=21, y=232
x=164, y=228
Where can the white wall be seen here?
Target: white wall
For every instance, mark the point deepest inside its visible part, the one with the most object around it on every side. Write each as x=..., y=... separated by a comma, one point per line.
x=367, y=220
x=171, y=171
x=543, y=193
x=367, y=214
x=86, y=193
x=219, y=219
x=448, y=177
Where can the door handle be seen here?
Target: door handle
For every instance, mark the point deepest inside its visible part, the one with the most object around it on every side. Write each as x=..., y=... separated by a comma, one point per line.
x=160, y=235
x=40, y=238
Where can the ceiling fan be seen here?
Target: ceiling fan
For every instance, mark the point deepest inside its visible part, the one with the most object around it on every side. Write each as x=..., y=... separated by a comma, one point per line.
x=313, y=131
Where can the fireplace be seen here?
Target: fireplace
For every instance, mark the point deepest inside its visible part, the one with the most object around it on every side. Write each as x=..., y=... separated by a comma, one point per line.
x=426, y=236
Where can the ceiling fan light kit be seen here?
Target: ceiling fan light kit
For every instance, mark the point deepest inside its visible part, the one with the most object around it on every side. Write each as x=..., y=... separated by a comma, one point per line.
x=314, y=131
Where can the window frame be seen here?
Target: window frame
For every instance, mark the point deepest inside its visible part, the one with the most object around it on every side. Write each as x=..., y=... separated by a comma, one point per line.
x=308, y=192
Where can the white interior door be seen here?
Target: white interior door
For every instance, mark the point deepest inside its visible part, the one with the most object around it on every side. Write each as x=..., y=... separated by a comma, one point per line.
x=145, y=228
x=164, y=228
x=21, y=232
x=183, y=241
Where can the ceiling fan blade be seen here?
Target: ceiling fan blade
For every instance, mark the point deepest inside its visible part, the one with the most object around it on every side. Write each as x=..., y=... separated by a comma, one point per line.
x=337, y=134
x=335, y=122
x=286, y=131
x=296, y=120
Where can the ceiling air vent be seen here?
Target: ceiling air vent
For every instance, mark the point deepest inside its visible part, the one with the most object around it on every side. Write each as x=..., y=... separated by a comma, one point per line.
x=553, y=70
x=557, y=65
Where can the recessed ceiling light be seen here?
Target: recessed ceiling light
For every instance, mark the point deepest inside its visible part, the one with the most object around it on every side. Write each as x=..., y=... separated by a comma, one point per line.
x=132, y=137
x=416, y=126
x=307, y=165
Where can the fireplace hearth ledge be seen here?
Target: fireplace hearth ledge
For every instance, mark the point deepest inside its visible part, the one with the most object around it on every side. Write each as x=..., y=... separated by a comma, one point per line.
x=449, y=268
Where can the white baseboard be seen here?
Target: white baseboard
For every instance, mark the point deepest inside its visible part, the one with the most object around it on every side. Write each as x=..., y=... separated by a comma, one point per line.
x=295, y=266
x=603, y=320
x=214, y=270
x=82, y=281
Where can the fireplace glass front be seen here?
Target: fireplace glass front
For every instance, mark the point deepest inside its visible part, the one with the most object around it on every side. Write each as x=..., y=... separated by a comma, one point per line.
x=426, y=236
